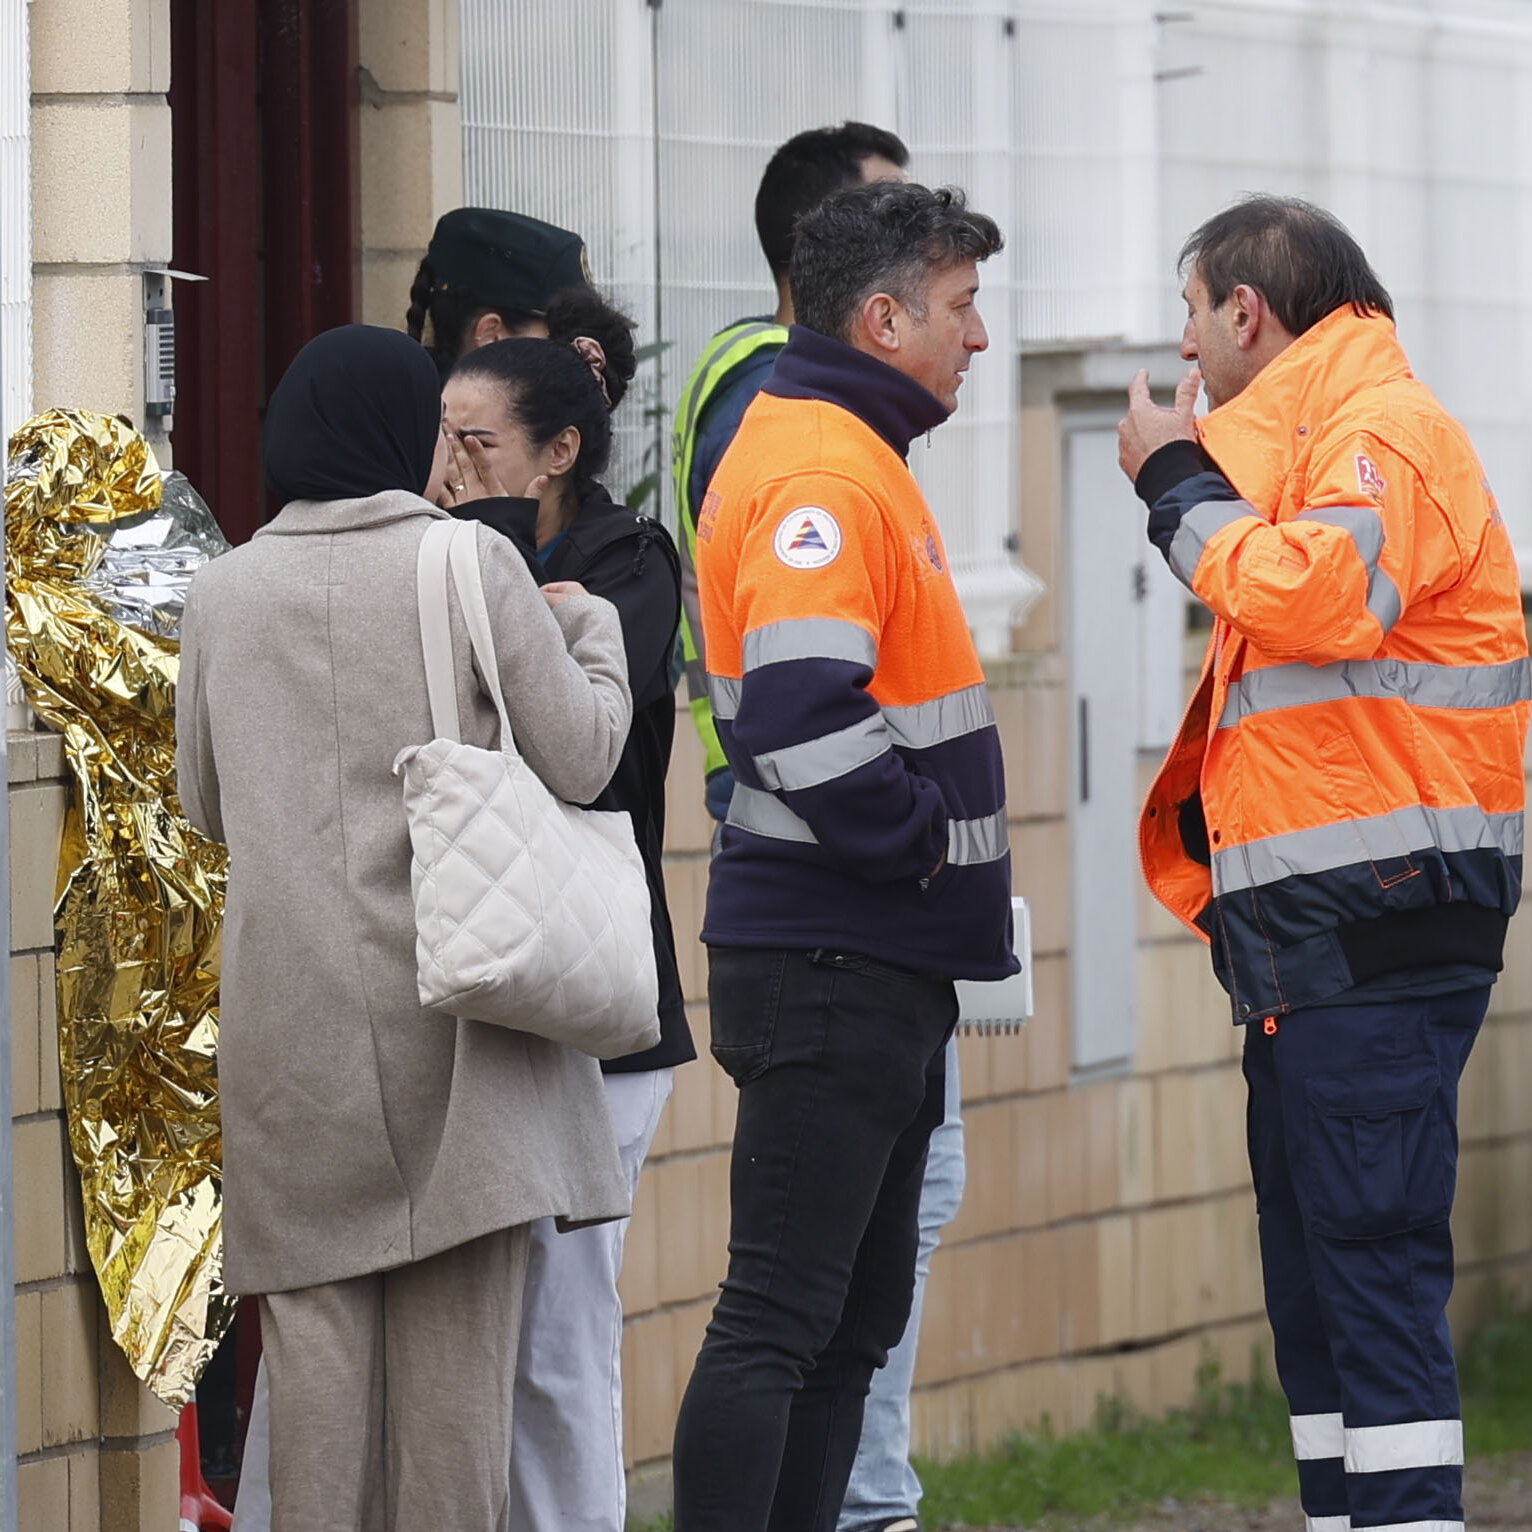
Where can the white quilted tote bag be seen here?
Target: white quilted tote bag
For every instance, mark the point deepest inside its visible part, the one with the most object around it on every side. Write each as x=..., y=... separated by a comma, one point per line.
x=529, y=912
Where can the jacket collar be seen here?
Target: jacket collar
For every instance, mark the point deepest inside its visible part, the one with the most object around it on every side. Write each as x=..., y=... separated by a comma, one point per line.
x=1259, y=435
x=813, y=366
x=301, y=518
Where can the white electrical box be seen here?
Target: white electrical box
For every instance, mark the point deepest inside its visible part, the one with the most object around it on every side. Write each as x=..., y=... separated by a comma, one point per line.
x=1001, y=1005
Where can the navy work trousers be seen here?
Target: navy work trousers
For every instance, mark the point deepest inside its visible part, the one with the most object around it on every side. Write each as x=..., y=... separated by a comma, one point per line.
x=1354, y=1147
x=841, y=1066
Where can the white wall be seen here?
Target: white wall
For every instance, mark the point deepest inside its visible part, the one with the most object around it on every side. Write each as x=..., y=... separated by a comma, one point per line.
x=1412, y=121
x=1100, y=132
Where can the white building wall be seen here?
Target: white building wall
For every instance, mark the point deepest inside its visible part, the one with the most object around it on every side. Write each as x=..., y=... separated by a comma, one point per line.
x=1099, y=132
x=1412, y=121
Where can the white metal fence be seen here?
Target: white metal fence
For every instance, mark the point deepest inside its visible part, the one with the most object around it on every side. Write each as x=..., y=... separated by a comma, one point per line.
x=647, y=128
x=1099, y=132
x=1411, y=120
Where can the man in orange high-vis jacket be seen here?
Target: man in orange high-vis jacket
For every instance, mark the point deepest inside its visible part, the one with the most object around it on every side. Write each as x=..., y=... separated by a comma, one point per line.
x=1341, y=816
x=865, y=860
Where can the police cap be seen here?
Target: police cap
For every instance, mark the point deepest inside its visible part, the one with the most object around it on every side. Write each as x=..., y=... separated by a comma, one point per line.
x=505, y=260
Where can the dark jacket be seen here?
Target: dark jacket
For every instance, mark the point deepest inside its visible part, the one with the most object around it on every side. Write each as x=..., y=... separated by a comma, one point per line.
x=632, y=562
x=868, y=811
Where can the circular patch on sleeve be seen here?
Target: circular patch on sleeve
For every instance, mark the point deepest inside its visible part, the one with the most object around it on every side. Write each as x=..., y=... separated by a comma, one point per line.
x=808, y=538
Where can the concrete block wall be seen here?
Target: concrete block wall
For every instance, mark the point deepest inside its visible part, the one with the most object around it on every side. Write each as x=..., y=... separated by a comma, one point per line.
x=101, y=198
x=1107, y=1241
x=97, y=1451
x=411, y=143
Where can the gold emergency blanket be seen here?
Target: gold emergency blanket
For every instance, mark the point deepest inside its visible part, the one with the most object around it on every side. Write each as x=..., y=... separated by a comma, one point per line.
x=139, y=907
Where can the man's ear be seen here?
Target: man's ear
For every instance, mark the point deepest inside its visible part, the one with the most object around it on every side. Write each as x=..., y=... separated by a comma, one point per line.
x=1252, y=314
x=879, y=322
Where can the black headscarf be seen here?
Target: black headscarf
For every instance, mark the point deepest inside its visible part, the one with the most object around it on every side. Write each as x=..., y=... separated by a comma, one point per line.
x=357, y=412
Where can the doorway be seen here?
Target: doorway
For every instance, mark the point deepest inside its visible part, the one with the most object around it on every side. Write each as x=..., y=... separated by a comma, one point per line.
x=264, y=97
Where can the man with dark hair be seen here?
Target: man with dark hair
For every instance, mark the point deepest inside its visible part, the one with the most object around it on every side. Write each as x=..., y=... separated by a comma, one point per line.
x=739, y=359
x=1341, y=816
x=865, y=861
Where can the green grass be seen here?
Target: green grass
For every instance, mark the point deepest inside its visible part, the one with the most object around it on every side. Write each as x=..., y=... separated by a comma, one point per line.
x=1232, y=1445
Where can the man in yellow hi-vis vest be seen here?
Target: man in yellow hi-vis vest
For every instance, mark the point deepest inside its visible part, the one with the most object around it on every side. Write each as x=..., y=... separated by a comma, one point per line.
x=734, y=364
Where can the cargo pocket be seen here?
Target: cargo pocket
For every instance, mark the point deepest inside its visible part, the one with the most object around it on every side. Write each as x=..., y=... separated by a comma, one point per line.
x=1378, y=1153
x=744, y=994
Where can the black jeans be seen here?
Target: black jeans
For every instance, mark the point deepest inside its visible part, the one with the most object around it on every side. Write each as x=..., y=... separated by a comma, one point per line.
x=840, y=1065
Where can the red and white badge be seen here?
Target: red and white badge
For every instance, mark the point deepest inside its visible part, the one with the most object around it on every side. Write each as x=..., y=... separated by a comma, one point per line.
x=808, y=538
x=1368, y=479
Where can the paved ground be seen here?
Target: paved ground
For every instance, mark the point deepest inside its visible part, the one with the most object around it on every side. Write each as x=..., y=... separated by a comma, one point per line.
x=1499, y=1496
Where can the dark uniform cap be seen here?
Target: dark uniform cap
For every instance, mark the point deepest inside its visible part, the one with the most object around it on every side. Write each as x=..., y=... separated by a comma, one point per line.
x=505, y=260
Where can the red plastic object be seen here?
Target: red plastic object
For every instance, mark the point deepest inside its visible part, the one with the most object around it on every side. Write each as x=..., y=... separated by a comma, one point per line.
x=201, y=1510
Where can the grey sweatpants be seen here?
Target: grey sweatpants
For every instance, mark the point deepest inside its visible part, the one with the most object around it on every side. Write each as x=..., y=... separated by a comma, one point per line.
x=391, y=1394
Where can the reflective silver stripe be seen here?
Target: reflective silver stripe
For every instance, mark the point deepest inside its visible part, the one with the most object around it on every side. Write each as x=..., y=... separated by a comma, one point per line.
x=750, y=809
x=1197, y=526
x=809, y=638
x=925, y=724
x=1421, y=685
x=1304, y=852
x=972, y=841
x=1384, y=600
x=1416, y=1444
x=1366, y=528
x=1416, y=1526
x=1361, y=521
x=723, y=692
x=796, y=767
x=1318, y=1436
x=1326, y=1524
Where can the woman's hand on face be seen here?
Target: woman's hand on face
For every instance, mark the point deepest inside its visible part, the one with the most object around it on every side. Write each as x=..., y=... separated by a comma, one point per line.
x=470, y=474
x=556, y=591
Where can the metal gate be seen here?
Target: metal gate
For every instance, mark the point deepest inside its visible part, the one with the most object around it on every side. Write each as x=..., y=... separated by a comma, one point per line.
x=646, y=127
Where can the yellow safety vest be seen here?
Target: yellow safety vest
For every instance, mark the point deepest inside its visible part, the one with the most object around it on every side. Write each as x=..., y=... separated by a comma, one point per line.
x=726, y=351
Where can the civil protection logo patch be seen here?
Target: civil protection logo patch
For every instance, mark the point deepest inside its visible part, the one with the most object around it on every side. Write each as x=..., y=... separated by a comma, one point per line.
x=1368, y=479
x=808, y=538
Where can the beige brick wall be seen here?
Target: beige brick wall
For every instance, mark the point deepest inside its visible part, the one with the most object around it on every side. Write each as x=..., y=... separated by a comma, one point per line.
x=411, y=143
x=1107, y=1240
x=96, y=1449
x=100, y=197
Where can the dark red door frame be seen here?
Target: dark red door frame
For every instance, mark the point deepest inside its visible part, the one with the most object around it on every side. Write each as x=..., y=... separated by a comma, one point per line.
x=216, y=150
x=264, y=97
x=309, y=134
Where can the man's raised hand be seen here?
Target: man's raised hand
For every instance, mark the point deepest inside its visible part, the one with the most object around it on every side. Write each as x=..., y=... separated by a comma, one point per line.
x=1149, y=426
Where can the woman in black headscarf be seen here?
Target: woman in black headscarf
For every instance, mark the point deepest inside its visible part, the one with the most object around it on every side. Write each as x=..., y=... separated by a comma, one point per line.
x=382, y=1162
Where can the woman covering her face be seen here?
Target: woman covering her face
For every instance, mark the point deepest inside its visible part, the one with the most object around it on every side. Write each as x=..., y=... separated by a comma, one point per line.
x=530, y=431
x=384, y=1164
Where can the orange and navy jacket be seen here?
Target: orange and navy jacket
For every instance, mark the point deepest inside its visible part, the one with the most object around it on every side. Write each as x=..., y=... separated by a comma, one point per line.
x=869, y=803
x=1345, y=797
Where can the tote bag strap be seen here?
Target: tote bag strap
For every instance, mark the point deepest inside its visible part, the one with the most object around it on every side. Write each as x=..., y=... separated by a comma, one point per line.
x=463, y=552
x=436, y=628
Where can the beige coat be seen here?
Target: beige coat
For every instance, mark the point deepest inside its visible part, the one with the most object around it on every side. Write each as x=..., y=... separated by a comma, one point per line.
x=361, y=1132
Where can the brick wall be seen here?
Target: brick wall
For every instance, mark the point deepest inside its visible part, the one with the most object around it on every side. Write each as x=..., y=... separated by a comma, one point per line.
x=100, y=141
x=411, y=143
x=1107, y=1240
x=97, y=1450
